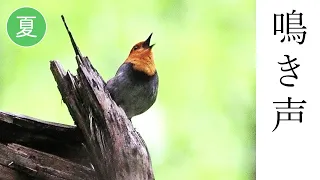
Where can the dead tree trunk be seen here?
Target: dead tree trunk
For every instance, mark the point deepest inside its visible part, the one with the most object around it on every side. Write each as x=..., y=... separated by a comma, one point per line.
x=103, y=136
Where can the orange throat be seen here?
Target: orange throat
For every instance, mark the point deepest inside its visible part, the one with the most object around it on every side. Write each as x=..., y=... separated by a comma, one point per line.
x=145, y=64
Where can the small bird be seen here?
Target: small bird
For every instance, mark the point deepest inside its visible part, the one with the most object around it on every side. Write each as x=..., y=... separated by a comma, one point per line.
x=135, y=86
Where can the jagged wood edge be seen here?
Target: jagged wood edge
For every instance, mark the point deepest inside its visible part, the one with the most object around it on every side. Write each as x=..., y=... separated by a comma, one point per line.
x=116, y=150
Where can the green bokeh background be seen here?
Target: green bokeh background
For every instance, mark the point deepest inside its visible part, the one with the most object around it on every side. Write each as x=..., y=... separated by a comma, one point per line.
x=202, y=126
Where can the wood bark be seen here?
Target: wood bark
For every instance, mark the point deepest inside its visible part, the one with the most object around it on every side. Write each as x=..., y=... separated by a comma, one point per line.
x=102, y=145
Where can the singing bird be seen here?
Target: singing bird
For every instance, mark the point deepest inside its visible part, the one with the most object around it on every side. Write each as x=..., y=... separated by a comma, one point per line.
x=135, y=86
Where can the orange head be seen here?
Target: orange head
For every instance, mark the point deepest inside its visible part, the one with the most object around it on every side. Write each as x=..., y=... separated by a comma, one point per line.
x=142, y=58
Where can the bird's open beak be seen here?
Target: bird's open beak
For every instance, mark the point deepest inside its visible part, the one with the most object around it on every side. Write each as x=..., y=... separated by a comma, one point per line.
x=146, y=43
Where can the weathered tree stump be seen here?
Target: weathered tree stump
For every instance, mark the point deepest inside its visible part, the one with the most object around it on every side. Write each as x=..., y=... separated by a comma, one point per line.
x=103, y=145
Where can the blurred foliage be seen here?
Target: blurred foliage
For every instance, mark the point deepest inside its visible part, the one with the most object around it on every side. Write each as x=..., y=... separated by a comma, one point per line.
x=202, y=126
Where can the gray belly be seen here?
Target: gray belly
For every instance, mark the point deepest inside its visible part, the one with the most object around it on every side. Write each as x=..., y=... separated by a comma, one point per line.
x=134, y=94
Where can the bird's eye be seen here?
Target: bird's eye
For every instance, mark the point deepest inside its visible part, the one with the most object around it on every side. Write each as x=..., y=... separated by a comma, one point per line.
x=135, y=47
